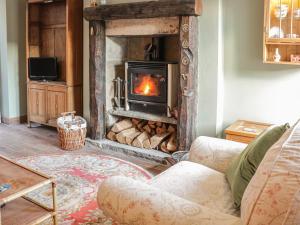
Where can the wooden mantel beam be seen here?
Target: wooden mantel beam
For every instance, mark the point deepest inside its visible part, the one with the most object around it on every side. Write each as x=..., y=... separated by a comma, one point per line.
x=141, y=10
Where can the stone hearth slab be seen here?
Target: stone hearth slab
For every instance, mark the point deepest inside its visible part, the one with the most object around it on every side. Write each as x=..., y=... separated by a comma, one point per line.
x=108, y=146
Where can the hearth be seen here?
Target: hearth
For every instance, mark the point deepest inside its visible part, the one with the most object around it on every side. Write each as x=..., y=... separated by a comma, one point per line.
x=151, y=87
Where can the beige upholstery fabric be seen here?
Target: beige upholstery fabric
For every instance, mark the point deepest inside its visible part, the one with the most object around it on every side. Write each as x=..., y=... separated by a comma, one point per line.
x=214, y=153
x=272, y=189
x=194, y=194
x=194, y=182
x=135, y=203
x=293, y=215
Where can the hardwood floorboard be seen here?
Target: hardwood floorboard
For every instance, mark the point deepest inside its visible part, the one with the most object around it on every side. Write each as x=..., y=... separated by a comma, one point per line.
x=18, y=141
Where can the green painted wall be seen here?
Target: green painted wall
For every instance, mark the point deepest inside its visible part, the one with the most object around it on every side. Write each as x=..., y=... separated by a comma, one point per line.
x=13, y=64
x=254, y=90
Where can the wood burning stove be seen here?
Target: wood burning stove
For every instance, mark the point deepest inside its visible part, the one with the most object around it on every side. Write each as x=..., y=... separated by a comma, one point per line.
x=151, y=87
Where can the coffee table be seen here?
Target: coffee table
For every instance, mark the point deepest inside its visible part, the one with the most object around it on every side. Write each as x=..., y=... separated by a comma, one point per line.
x=15, y=207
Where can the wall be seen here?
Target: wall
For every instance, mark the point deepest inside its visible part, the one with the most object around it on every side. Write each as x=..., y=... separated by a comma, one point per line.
x=254, y=90
x=3, y=62
x=211, y=74
x=13, y=65
x=241, y=87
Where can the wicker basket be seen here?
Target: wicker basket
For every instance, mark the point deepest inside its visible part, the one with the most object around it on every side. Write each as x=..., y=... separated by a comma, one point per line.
x=71, y=131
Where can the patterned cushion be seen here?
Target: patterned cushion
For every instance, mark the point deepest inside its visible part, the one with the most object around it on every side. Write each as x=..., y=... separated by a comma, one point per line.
x=195, y=183
x=277, y=179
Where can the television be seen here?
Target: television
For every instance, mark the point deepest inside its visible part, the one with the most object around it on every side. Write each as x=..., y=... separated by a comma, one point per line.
x=43, y=68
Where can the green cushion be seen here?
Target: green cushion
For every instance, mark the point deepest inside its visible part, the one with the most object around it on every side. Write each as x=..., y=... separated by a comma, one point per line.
x=243, y=167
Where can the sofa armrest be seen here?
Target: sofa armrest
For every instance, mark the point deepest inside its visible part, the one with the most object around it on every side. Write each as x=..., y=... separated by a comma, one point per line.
x=134, y=203
x=293, y=215
x=214, y=153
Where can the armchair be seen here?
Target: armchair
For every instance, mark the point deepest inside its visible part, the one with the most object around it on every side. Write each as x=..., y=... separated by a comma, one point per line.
x=196, y=191
x=187, y=193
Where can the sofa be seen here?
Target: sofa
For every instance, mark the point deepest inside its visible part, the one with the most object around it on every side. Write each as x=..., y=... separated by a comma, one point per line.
x=196, y=191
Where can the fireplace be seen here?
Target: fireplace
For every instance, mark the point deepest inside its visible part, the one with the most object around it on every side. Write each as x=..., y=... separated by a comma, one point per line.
x=151, y=87
x=138, y=123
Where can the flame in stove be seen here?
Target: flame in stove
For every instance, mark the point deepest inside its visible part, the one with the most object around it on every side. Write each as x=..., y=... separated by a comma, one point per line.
x=147, y=89
x=147, y=85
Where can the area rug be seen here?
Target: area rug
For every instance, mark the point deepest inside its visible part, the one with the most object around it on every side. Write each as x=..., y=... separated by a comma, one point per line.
x=78, y=178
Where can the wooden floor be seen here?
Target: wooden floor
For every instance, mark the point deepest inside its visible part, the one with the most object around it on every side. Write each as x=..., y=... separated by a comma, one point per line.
x=19, y=141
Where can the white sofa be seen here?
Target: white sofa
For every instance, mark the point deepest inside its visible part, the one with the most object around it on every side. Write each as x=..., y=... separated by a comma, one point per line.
x=196, y=192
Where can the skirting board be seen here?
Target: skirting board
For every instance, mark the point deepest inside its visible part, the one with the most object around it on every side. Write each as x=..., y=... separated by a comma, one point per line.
x=14, y=120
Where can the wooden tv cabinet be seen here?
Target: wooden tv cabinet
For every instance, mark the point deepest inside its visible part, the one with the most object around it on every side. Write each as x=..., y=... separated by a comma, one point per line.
x=55, y=29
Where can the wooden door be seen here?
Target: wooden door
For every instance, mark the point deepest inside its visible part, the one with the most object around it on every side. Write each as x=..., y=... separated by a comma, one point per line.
x=56, y=105
x=37, y=105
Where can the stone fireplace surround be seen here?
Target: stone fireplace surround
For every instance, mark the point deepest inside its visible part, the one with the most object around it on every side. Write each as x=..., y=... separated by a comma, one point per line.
x=113, y=31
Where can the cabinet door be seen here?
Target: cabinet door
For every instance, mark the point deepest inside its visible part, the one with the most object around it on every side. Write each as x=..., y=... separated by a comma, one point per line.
x=37, y=105
x=56, y=105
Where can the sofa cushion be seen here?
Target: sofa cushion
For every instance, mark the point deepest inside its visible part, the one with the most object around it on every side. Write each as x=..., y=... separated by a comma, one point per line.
x=275, y=183
x=243, y=167
x=199, y=184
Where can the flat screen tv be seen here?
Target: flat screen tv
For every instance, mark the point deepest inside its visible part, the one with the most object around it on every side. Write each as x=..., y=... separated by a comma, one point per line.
x=43, y=68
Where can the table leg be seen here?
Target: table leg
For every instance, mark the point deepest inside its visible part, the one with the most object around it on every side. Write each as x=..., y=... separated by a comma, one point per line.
x=54, y=203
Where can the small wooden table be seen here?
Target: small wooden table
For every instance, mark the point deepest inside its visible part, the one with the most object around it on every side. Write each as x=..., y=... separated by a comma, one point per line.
x=15, y=207
x=245, y=131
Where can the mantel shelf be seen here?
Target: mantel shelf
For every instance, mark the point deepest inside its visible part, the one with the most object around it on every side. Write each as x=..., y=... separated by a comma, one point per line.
x=142, y=10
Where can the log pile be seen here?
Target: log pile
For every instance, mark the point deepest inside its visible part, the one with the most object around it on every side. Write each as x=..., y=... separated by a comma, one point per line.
x=145, y=134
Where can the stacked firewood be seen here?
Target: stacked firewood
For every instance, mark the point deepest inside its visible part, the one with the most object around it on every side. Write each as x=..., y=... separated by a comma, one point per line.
x=145, y=134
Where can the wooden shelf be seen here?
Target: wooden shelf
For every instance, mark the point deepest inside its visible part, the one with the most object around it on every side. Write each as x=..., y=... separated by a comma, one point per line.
x=283, y=41
x=282, y=63
x=288, y=24
x=143, y=116
x=23, y=212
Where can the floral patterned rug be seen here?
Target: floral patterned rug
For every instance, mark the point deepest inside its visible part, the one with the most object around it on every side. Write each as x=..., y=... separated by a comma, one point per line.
x=78, y=178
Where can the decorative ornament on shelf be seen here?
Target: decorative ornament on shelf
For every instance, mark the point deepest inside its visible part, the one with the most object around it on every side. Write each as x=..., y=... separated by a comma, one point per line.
x=281, y=11
x=295, y=58
x=93, y=3
x=276, y=32
x=277, y=56
x=297, y=13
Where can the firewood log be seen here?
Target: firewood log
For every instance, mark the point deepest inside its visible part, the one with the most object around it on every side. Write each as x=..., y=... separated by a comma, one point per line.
x=147, y=128
x=153, y=132
x=151, y=122
x=156, y=140
x=135, y=122
x=163, y=147
x=172, y=143
x=147, y=144
x=159, y=124
x=161, y=130
x=141, y=125
x=152, y=126
x=138, y=141
x=121, y=137
x=111, y=136
x=122, y=125
x=129, y=139
x=171, y=129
